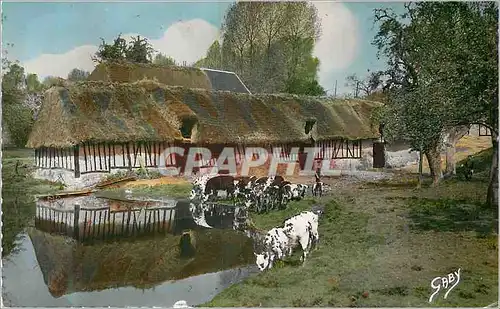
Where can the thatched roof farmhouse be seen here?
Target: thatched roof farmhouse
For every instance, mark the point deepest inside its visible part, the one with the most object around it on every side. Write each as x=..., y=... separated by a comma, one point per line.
x=126, y=106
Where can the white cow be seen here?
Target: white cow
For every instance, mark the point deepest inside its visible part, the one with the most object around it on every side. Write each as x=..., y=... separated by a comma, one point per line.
x=301, y=229
x=276, y=245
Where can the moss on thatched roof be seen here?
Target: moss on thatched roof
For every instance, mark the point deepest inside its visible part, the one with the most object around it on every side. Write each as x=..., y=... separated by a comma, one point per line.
x=150, y=111
x=126, y=72
x=71, y=267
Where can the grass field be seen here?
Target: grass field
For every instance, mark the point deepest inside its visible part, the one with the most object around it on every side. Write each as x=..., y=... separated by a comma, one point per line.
x=386, y=241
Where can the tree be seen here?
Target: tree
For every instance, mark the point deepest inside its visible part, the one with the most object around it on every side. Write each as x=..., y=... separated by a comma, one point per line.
x=33, y=85
x=78, y=75
x=16, y=118
x=366, y=86
x=213, y=59
x=442, y=63
x=51, y=81
x=162, y=59
x=137, y=50
x=269, y=45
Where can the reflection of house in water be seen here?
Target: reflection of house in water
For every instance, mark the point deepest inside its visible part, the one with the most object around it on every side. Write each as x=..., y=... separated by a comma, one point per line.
x=69, y=266
x=88, y=218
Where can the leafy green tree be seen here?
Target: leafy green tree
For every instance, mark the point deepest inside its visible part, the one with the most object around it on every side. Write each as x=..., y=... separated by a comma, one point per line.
x=269, y=45
x=16, y=118
x=442, y=72
x=138, y=50
x=33, y=85
x=162, y=59
x=213, y=59
x=78, y=75
x=51, y=81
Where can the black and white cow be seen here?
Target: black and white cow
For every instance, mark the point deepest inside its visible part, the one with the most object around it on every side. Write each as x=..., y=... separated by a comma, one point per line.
x=318, y=189
x=301, y=229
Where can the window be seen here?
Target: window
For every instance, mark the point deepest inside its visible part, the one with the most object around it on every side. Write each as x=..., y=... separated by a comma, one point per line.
x=309, y=125
x=187, y=127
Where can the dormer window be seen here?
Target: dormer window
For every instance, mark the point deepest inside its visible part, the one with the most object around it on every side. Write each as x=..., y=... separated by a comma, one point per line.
x=309, y=125
x=187, y=127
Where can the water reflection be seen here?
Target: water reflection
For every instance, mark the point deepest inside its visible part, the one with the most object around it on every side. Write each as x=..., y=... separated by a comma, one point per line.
x=56, y=270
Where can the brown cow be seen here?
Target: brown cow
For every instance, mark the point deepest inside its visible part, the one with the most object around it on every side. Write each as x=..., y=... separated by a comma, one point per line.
x=221, y=182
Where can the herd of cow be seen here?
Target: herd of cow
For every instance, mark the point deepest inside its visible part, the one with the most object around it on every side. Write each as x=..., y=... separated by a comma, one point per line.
x=257, y=194
x=262, y=195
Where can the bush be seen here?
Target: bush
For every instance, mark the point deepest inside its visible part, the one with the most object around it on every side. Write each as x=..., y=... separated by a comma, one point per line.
x=18, y=121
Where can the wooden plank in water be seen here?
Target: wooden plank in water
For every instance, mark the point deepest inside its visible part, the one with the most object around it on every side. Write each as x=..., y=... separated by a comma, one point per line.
x=66, y=193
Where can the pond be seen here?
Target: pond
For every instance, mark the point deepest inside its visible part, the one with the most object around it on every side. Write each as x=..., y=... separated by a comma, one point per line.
x=56, y=270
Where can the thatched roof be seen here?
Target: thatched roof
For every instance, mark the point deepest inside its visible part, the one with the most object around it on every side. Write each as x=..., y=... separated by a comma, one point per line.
x=69, y=267
x=125, y=72
x=148, y=111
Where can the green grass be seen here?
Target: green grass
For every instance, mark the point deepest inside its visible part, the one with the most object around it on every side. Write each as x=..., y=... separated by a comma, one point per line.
x=382, y=246
x=481, y=163
x=18, y=190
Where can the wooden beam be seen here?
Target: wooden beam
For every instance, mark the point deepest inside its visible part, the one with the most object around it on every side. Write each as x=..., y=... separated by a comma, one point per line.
x=114, y=155
x=129, y=157
x=84, y=157
x=135, y=150
x=95, y=164
x=76, y=154
x=109, y=158
x=99, y=154
x=123, y=154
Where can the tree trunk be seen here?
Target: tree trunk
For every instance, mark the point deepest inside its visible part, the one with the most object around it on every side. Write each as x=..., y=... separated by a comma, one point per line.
x=434, y=159
x=492, y=196
x=454, y=135
x=420, y=168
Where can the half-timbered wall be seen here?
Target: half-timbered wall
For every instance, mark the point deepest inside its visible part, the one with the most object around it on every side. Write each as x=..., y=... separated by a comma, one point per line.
x=339, y=149
x=51, y=158
x=104, y=157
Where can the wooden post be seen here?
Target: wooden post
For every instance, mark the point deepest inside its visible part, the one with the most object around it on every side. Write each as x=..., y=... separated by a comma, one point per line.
x=76, y=224
x=76, y=153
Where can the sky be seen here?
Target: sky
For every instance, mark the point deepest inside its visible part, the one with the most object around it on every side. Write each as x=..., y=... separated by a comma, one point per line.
x=50, y=39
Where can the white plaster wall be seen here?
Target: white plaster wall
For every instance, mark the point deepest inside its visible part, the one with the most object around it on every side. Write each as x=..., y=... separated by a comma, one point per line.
x=68, y=178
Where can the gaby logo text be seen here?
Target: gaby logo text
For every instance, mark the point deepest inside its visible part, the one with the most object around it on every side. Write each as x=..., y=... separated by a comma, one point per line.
x=448, y=283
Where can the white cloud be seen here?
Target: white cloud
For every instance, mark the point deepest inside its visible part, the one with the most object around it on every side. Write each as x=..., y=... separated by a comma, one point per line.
x=61, y=64
x=337, y=47
x=184, y=41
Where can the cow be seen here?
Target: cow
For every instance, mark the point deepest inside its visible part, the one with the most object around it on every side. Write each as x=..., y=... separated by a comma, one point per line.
x=276, y=244
x=302, y=189
x=221, y=182
x=242, y=184
x=301, y=229
x=317, y=189
x=199, y=185
x=293, y=226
